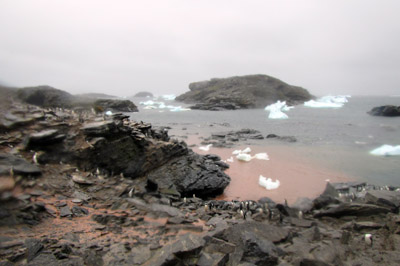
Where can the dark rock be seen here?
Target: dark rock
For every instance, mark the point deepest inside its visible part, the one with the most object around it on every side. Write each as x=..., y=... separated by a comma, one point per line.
x=366, y=225
x=353, y=209
x=143, y=94
x=115, y=105
x=33, y=247
x=65, y=212
x=303, y=204
x=385, y=110
x=44, y=259
x=323, y=201
x=212, y=259
x=253, y=91
x=178, y=252
x=45, y=137
x=227, y=139
x=258, y=250
x=301, y=222
x=384, y=198
x=103, y=128
x=45, y=96
x=312, y=262
x=192, y=174
x=19, y=165
x=282, y=138
x=79, y=211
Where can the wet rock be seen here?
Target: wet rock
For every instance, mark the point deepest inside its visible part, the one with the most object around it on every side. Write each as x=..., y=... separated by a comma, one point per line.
x=385, y=110
x=115, y=105
x=353, y=209
x=33, y=247
x=45, y=96
x=282, y=138
x=20, y=166
x=366, y=225
x=384, y=198
x=301, y=222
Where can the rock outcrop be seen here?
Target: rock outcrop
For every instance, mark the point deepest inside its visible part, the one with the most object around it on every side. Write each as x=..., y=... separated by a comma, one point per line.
x=48, y=97
x=115, y=105
x=385, y=110
x=45, y=96
x=252, y=91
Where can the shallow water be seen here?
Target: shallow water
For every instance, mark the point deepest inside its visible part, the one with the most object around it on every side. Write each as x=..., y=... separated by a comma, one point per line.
x=334, y=142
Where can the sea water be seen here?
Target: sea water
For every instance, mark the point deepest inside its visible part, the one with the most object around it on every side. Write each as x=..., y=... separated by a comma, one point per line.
x=339, y=139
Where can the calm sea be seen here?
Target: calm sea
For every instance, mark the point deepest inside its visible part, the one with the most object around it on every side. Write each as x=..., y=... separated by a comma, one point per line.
x=338, y=139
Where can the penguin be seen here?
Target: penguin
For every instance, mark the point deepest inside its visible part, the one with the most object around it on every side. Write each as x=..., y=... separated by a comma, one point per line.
x=12, y=171
x=34, y=158
x=243, y=214
x=206, y=207
x=368, y=239
x=184, y=200
x=300, y=214
x=130, y=194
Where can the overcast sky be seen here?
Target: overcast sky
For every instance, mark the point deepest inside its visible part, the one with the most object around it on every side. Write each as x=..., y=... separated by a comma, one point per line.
x=122, y=47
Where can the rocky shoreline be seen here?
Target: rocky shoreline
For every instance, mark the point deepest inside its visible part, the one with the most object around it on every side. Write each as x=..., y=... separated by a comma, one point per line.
x=79, y=188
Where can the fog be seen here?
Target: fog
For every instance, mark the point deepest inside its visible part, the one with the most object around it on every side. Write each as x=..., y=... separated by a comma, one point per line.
x=123, y=47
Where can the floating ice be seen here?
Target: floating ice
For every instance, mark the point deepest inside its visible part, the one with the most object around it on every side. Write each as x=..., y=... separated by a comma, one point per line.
x=205, y=148
x=236, y=152
x=244, y=157
x=230, y=160
x=268, y=183
x=328, y=102
x=109, y=113
x=168, y=97
x=247, y=150
x=276, y=110
x=177, y=109
x=386, y=150
x=261, y=156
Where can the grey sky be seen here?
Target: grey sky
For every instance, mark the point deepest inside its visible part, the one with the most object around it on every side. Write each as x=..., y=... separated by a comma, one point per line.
x=122, y=47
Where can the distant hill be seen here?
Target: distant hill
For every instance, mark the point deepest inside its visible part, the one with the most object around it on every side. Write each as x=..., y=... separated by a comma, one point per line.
x=241, y=92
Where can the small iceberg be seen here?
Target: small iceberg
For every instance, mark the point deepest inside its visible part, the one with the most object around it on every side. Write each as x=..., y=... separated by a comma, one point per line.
x=328, y=102
x=261, y=156
x=244, y=157
x=268, y=183
x=177, y=109
x=205, y=148
x=236, y=152
x=230, y=160
x=276, y=110
x=168, y=97
x=386, y=150
x=109, y=113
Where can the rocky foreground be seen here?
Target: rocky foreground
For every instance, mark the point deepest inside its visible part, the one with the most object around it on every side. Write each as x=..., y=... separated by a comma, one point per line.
x=242, y=92
x=86, y=189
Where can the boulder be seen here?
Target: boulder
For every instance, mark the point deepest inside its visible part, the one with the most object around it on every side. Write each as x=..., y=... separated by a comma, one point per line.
x=115, y=105
x=242, y=92
x=385, y=110
x=353, y=209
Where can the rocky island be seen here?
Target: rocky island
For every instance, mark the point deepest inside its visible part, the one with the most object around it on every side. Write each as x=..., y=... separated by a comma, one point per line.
x=84, y=188
x=242, y=92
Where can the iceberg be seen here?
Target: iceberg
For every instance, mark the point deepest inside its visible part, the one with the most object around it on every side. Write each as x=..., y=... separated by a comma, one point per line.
x=177, y=109
x=168, y=97
x=109, y=113
x=268, y=183
x=230, y=160
x=205, y=148
x=244, y=157
x=386, y=150
x=261, y=156
x=276, y=110
x=328, y=102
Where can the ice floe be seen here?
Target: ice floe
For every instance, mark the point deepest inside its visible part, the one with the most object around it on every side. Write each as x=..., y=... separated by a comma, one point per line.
x=261, y=156
x=276, y=110
x=205, y=148
x=244, y=157
x=161, y=105
x=386, y=150
x=168, y=97
x=268, y=183
x=230, y=160
x=236, y=152
x=328, y=102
